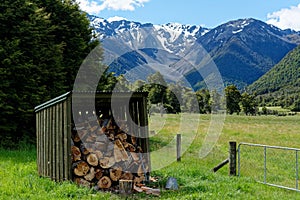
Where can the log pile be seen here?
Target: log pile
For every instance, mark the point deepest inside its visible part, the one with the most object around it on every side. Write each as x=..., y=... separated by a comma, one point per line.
x=103, y=153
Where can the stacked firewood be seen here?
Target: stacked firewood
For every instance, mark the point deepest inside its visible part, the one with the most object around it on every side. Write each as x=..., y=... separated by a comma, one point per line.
x=103, y=152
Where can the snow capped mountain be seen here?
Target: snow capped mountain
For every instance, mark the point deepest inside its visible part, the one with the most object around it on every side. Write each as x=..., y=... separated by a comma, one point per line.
x=243, y=50
x=172, y=37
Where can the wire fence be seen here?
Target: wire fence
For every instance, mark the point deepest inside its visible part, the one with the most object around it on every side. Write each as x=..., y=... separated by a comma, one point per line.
x=271, y=165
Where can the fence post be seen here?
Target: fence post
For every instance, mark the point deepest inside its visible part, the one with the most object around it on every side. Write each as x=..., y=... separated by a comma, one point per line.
x=178, y=147
x=265, y=164
x=297, y=170
x=232, y=158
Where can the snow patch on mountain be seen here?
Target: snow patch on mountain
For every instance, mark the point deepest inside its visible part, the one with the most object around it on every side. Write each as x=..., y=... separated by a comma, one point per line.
x=116, y=18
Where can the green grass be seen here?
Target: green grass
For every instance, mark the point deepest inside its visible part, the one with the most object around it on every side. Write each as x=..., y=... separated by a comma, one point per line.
x=19, y=178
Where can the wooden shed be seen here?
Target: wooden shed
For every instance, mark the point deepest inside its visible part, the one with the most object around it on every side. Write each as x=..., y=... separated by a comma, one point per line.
x=80, y=133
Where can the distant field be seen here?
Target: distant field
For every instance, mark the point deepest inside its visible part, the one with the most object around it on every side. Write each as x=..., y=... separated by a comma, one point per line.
x=19, y=179
x=276, y=108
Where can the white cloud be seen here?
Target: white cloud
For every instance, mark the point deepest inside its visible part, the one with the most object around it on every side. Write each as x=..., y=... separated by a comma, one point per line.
x=95, y=7
x=286, y=18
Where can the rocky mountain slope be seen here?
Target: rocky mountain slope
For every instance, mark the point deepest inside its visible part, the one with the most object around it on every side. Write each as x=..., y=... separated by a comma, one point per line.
x=242, y=50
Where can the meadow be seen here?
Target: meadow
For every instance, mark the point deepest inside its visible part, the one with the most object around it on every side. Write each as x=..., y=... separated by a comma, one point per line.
x=19, y=178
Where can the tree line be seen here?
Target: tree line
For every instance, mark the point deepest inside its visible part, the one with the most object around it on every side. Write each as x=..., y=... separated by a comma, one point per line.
x=42, y=44
x=175, y=97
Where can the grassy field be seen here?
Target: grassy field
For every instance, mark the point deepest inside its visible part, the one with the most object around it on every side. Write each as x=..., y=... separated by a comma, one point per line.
x=19, y=179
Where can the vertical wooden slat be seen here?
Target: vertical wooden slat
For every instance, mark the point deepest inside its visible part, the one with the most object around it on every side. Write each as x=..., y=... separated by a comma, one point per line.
x=60, y=131
x=65, y=140
x=37, y=118
x=50, y=146
x=68, y=138
x=131, y=114
x=40, y=142
x=144, y=123
x=43, y=145
x=40, y=148
x=56, y=132
x=53, y=143
x=47, y=140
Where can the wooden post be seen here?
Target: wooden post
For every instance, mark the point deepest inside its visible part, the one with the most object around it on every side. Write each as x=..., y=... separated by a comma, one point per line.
x=178, y=147
x=219, y=166
x=125, y=186
x=232, y=158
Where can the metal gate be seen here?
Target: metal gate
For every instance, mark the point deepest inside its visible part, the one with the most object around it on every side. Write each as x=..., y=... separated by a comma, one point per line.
x=271, y=165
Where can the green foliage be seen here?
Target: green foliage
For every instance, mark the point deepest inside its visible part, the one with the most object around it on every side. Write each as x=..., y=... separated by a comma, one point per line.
x=248, y=103
x=204, y=100
x=41, y=48
x=157, y=88
x=280, y=86
x=233, y=98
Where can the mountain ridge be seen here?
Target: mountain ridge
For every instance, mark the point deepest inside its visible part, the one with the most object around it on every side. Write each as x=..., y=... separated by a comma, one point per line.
x=243, y=49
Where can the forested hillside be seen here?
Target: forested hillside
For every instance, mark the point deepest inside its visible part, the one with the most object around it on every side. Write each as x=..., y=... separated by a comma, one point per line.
x=281, y=85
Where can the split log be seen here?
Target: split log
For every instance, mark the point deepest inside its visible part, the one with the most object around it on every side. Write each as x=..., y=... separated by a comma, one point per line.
x=111, y=137
x=102, y=138
x=82, y=133
x=134, y=156
x=138, y=189
x=82, y=182
x=127, y=176
x=130, y=147
x=152, y=191
x=98, y=174
x=76, y=154
x=133, y=140
x=99, y=154
x=122, y=137
x=108, y=152
x=115, y=173
x=107, y=162
x=140, y=171
x=119, y=151
x=94, y=128
x=81, y=168
x=104, y=182
x=138, y=180
x=99, y=131
x=76, y=137
x=91, y=175
x=92, y=159
x=101, y=146
x=84, y=150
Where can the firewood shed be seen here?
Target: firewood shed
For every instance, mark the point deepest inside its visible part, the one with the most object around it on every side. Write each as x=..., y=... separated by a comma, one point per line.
x=94, y=138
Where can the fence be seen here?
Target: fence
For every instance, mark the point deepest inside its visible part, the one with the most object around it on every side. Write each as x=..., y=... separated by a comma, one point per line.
x=271, y=165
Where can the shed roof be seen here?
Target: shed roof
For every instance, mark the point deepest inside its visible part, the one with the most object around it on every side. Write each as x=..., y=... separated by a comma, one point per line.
x=86, y=94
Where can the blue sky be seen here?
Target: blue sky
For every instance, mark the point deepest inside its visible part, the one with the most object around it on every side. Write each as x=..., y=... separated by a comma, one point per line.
x=208, y=13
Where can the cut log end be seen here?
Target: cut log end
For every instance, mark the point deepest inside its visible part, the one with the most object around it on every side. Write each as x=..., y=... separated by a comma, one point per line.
x=81, y=168
x=115, y=173
x=92, y=159
x=104, y=182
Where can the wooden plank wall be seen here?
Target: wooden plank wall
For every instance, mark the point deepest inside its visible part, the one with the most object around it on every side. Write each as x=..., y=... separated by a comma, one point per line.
x=53, y=129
